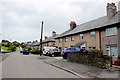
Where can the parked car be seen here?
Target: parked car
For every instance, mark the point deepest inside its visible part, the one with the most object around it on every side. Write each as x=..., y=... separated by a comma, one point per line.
x=54, y=52
x=47, y=49
x=25, y=51
x=21, y=50
x=69, y=50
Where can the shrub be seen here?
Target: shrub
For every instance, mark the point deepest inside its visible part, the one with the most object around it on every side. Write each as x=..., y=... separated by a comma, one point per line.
x=12, y=48
x=35, y=51
x=95, y=51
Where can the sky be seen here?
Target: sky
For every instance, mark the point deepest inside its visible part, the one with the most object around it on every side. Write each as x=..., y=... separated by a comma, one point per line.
x=20, y=20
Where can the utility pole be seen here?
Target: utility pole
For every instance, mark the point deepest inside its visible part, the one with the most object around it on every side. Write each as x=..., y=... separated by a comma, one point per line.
x=41, y=52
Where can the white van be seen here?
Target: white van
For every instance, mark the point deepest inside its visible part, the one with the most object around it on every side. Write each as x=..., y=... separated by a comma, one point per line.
x=46, y=49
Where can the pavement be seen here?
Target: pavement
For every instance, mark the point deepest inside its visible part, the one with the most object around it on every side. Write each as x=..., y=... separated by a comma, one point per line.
x=82, y=69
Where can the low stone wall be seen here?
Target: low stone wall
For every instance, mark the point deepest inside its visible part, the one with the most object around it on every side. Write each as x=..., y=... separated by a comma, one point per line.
x=102, y=61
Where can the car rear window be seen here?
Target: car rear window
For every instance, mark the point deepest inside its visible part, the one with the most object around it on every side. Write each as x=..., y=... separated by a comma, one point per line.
x=55, y=49
x=74, y=48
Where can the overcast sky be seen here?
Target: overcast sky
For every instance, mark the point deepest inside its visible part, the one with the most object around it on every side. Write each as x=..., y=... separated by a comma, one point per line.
x=21, y=19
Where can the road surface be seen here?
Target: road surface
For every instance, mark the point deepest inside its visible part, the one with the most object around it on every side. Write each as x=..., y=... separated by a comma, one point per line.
x=30, y=66
x=4, y=56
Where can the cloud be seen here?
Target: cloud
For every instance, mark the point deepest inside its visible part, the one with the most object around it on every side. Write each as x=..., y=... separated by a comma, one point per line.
x=21, y=19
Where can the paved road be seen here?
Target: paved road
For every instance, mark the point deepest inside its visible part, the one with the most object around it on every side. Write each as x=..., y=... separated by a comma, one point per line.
x=30, y=66
x=4, y=56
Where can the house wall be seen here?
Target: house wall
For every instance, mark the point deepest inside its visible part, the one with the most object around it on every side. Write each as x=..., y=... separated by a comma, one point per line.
x=108, y=41
x=119, y=40
x=49, y=44
x=90, y=42
x=58, y=44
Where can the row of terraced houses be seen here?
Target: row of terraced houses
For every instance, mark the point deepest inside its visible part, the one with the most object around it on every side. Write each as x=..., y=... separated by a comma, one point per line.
x=102, y=34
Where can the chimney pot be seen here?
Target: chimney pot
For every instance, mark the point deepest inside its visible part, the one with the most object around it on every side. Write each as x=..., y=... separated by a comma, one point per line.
x=45, y=37
x=72, y=25
x=53, y=33
x=111, y=9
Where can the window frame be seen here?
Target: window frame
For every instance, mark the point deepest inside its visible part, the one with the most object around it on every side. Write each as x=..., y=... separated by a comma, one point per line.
x=72, y=38
x=81, y=36
x=109, y=31
x=93, y=35
x=109, y=50
x=66, y=39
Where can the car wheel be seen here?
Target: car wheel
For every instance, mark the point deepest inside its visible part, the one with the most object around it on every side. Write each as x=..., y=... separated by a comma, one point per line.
x=52, y=55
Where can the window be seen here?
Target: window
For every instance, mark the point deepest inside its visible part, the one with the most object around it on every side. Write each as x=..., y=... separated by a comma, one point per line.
x=60, y=40
x=92, y=34
x=111, y=31
x=112, y=51
x=72, y=38
x=94, y=47
x=81, y=36
x=66, y=39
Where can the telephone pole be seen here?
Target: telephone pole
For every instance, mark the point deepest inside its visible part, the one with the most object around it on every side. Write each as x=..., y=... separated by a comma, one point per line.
x=41, y=52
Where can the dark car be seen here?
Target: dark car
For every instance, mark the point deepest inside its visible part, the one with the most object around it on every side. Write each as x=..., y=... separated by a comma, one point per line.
x=69, y=50
x=54, y=52
x=25, y=51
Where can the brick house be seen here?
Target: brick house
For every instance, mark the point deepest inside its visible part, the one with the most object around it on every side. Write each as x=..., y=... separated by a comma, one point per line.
x=50, y=41
x=102, y=33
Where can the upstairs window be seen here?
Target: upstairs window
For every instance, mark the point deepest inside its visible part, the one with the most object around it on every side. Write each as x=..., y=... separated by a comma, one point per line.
x=66, y=39
x=111, y=31
x=60, y=40
x=92, y=34
x=72, y=38
x=81, y=36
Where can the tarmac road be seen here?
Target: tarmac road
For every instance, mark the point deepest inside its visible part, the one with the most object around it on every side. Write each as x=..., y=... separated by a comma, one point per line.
x=31, y=66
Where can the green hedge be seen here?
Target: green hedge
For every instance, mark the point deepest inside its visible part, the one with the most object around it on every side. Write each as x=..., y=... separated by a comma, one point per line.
x=35, y=51
x=95, y=51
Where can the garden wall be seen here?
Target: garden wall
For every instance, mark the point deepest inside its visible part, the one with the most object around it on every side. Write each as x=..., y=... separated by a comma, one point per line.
x=102, y=61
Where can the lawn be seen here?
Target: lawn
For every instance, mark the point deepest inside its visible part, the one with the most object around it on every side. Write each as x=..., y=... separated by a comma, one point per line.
x=5, y=48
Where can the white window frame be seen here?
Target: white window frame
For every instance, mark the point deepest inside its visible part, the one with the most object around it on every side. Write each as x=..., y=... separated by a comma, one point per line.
x=109, y=50
x=60, y=40
x=66, y=39
x=93, y=34
x=81, y=37
x=111, y=31
x=72, y=38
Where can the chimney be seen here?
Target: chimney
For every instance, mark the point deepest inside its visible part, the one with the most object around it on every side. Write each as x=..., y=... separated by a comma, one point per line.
x=72, y=25
x=45, y=37
x=53, y=33
x=111, y=9
x=36, y=41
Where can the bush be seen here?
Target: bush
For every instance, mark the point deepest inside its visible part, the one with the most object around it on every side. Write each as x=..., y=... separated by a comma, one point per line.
x=95, y=51
x=35, y=51
x=12, y=48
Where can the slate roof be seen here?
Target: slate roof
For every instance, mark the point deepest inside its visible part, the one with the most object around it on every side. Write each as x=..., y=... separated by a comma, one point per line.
x=94, y=24
x=35, y=44
x=50, y=39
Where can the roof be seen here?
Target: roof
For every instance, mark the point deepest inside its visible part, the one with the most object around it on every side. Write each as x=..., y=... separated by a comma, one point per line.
x=79, y=44
x=50, y=39
x=94, y=24
x=35, y=44
x=63, y=33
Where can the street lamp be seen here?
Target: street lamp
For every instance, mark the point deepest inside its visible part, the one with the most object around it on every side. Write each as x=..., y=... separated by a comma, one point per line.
x=41, y=52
